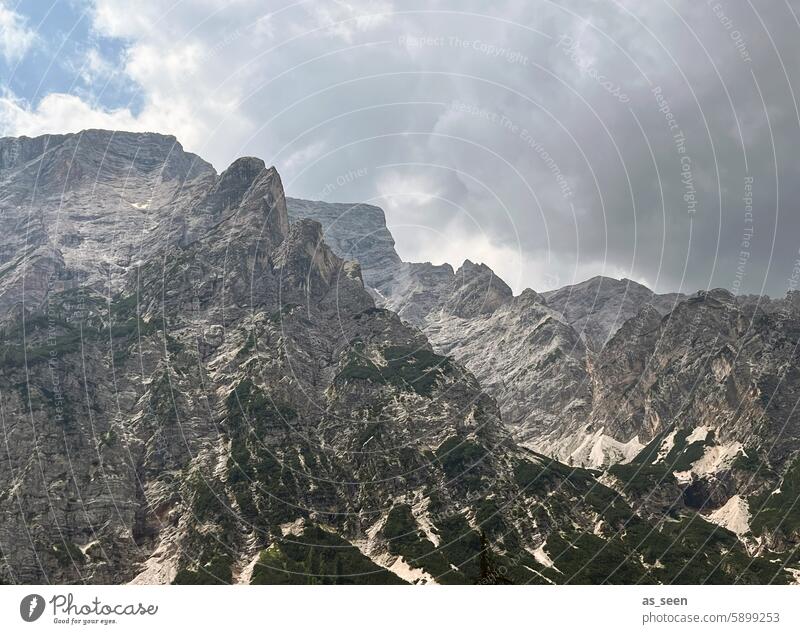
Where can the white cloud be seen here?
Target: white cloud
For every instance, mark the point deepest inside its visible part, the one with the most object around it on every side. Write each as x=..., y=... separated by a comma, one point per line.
x=96, y=69
x=15, y=36
x=410, y=194
x=62, y=113
x=182, y=90
x=302, y=157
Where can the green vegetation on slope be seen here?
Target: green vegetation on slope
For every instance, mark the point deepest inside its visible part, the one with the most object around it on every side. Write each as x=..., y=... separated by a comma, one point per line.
x=317, y=557
x=407, y=368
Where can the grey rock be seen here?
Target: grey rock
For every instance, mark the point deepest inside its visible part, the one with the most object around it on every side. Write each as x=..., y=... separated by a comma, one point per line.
x=598, y=307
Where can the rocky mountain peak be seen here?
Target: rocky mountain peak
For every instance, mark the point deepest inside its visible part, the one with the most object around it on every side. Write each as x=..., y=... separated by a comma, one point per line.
x=715, y=296
x=310, y=272
x=105, y=201
x=248, y=195
x=355, y=231
x=477, y=290
x=469, y=267
x=101, y=156
x=257, y=195
x=241, y=173
x=597, y=307
x=792, y=299
x=600, y=288
x=16, y=151
x=229, y=189
x=530, y=296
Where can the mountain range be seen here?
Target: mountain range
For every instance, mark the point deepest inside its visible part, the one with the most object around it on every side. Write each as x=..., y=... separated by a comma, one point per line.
x=204, y=381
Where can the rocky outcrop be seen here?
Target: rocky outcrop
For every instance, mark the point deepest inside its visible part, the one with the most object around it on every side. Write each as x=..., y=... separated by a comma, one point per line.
x=418, y=290
x=598, y=307
x=354, y=232
x=528, y=359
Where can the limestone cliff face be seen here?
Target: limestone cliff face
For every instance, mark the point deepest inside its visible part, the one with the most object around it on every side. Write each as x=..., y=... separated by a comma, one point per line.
x=354, y=232
x=598, y=307
x=78, y=194
x=197, y=388
x=691, y=397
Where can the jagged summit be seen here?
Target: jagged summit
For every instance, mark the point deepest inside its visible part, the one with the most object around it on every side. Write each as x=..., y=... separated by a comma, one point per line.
x=597, y=307
x=476, y=290
x=96, y=133
x=355, y=232
x=528, y=295
x=244, y=168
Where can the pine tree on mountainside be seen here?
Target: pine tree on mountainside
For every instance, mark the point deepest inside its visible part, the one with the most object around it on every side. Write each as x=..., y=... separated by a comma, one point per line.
x=491, y=574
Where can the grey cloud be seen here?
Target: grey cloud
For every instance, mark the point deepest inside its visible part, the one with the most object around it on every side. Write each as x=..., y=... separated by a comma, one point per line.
x=529, y=132
x=508, y=115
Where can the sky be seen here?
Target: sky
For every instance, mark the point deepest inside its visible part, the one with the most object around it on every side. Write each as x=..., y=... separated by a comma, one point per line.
x=552, y=140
